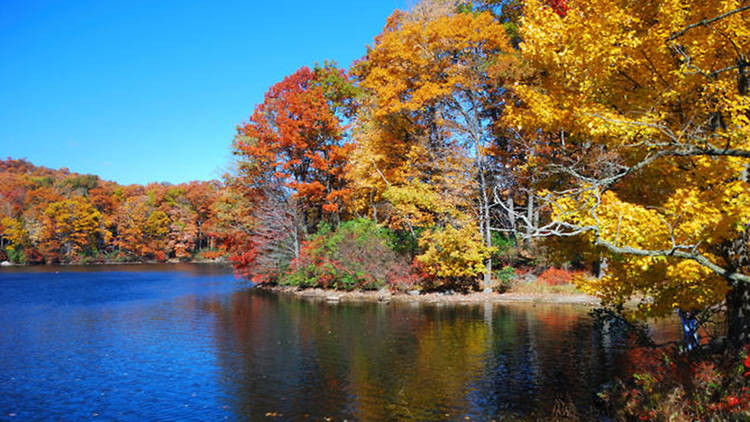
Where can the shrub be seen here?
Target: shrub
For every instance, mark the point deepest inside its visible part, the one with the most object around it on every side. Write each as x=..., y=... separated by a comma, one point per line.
x=211, y=254
x=668, y=385
x=557, y=276
x=160, y=256
x=16, y=256
x=506, y=250
x=31, y=256
x=453, y=256
x=357, y=255
x=505, y=278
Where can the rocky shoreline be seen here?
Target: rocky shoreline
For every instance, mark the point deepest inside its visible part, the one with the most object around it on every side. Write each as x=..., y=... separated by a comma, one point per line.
x=384, y=296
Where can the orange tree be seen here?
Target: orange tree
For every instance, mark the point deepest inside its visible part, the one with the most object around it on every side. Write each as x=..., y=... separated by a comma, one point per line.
x=291, y=159
x=434, y=83
x=296, y=140
x=71, y=227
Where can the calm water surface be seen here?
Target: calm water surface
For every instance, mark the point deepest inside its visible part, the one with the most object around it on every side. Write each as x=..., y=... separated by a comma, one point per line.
x=189, y=342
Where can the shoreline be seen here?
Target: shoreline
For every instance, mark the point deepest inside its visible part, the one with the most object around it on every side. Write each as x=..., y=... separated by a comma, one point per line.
x=6, y=264
x=381, y=296
x=91, y=264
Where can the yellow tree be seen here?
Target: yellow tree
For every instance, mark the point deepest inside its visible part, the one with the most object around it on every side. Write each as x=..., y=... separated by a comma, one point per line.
x=70, y=227
x=650, y=99
x=13, y=236
x=432, y=77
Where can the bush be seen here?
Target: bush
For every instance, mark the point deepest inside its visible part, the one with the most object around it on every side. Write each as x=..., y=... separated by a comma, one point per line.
x=211, y=254
x=16, y=256
x=160, y=256
x=667, y=385
x=557, y=276
x=505, y=278
x=453, y=257
x=112, y=256
x=506, y=250
x=357, y=255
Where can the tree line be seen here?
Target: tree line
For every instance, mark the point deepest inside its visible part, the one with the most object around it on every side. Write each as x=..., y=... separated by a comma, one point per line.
x=57, y=216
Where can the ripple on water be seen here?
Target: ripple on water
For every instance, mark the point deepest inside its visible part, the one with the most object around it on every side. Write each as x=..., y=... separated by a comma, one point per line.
x=191, y=343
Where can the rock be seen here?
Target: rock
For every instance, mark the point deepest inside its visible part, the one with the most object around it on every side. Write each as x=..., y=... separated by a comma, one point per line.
x=5, y=264
x=333, y=298
x=384, y=295
x=414, y=292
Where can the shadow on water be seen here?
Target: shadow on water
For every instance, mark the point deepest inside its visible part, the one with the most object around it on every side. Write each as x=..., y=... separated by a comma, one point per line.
x=189, y=342
x=302, y=358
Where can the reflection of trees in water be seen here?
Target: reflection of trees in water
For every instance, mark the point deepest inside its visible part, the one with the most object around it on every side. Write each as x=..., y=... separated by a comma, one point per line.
x=401, y=361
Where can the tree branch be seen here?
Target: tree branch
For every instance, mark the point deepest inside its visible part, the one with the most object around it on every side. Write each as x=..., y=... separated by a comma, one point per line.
x=707, y=21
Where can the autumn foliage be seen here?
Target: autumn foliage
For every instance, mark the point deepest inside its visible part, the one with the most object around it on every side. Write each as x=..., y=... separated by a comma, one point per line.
x=296, y=140
x=58, y=216
x=610, y=135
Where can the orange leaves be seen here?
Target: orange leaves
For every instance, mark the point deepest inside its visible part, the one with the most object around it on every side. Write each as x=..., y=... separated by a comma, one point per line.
x=296, y=138
x=421, y=59
x=64, y=216
x=70, y=226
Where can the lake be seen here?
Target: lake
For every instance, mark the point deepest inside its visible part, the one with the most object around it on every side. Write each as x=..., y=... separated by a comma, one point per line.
x=190, y=342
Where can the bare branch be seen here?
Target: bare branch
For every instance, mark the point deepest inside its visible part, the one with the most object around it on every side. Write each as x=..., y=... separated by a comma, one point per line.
x=707, y=21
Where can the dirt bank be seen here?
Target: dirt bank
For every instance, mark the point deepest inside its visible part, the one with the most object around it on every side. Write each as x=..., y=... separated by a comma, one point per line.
x=457, y=298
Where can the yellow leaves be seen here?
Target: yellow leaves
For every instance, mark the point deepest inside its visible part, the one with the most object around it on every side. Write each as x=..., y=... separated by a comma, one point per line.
x=618, y=53
x=12, y=230
x=416, y=201
x=637, y=79
x=426, y=56
x=74, y=221
x=157, y=224
x=453, y=253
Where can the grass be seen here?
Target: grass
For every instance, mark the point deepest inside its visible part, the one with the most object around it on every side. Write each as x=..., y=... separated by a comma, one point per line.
x=541, y=288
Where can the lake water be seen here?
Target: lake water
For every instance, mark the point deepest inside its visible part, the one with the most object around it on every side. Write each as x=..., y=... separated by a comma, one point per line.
x=190, y=342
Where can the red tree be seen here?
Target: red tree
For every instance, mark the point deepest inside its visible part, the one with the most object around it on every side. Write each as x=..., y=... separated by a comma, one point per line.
x=296, y=140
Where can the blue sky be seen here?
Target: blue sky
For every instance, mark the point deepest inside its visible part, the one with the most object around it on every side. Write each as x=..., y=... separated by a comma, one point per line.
x=149, y=91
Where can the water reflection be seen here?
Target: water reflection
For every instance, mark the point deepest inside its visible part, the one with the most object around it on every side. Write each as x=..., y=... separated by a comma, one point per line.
x=312, y=359
x=192, y=343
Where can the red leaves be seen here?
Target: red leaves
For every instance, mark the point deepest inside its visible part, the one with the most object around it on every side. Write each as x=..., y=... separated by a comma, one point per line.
x=559, y=6
x=556, y=277
x=244, y=262
x=294, y=138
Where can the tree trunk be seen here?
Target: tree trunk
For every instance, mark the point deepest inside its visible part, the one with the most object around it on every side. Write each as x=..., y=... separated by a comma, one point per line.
x=529, y=219
x=596, y=268
x=487, y=235
x=738, y=314
x=511, y=217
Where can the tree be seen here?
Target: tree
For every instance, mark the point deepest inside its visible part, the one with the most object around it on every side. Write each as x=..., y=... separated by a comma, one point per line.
x=296, y=139
x=71, y=227
x=653, y=98
x=433, y=75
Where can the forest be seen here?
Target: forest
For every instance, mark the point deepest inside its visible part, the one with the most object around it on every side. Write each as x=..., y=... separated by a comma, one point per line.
x=471, y=139
x=57, y=216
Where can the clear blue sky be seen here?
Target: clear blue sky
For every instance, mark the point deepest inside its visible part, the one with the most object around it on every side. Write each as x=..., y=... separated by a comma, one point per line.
x=140, y=90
